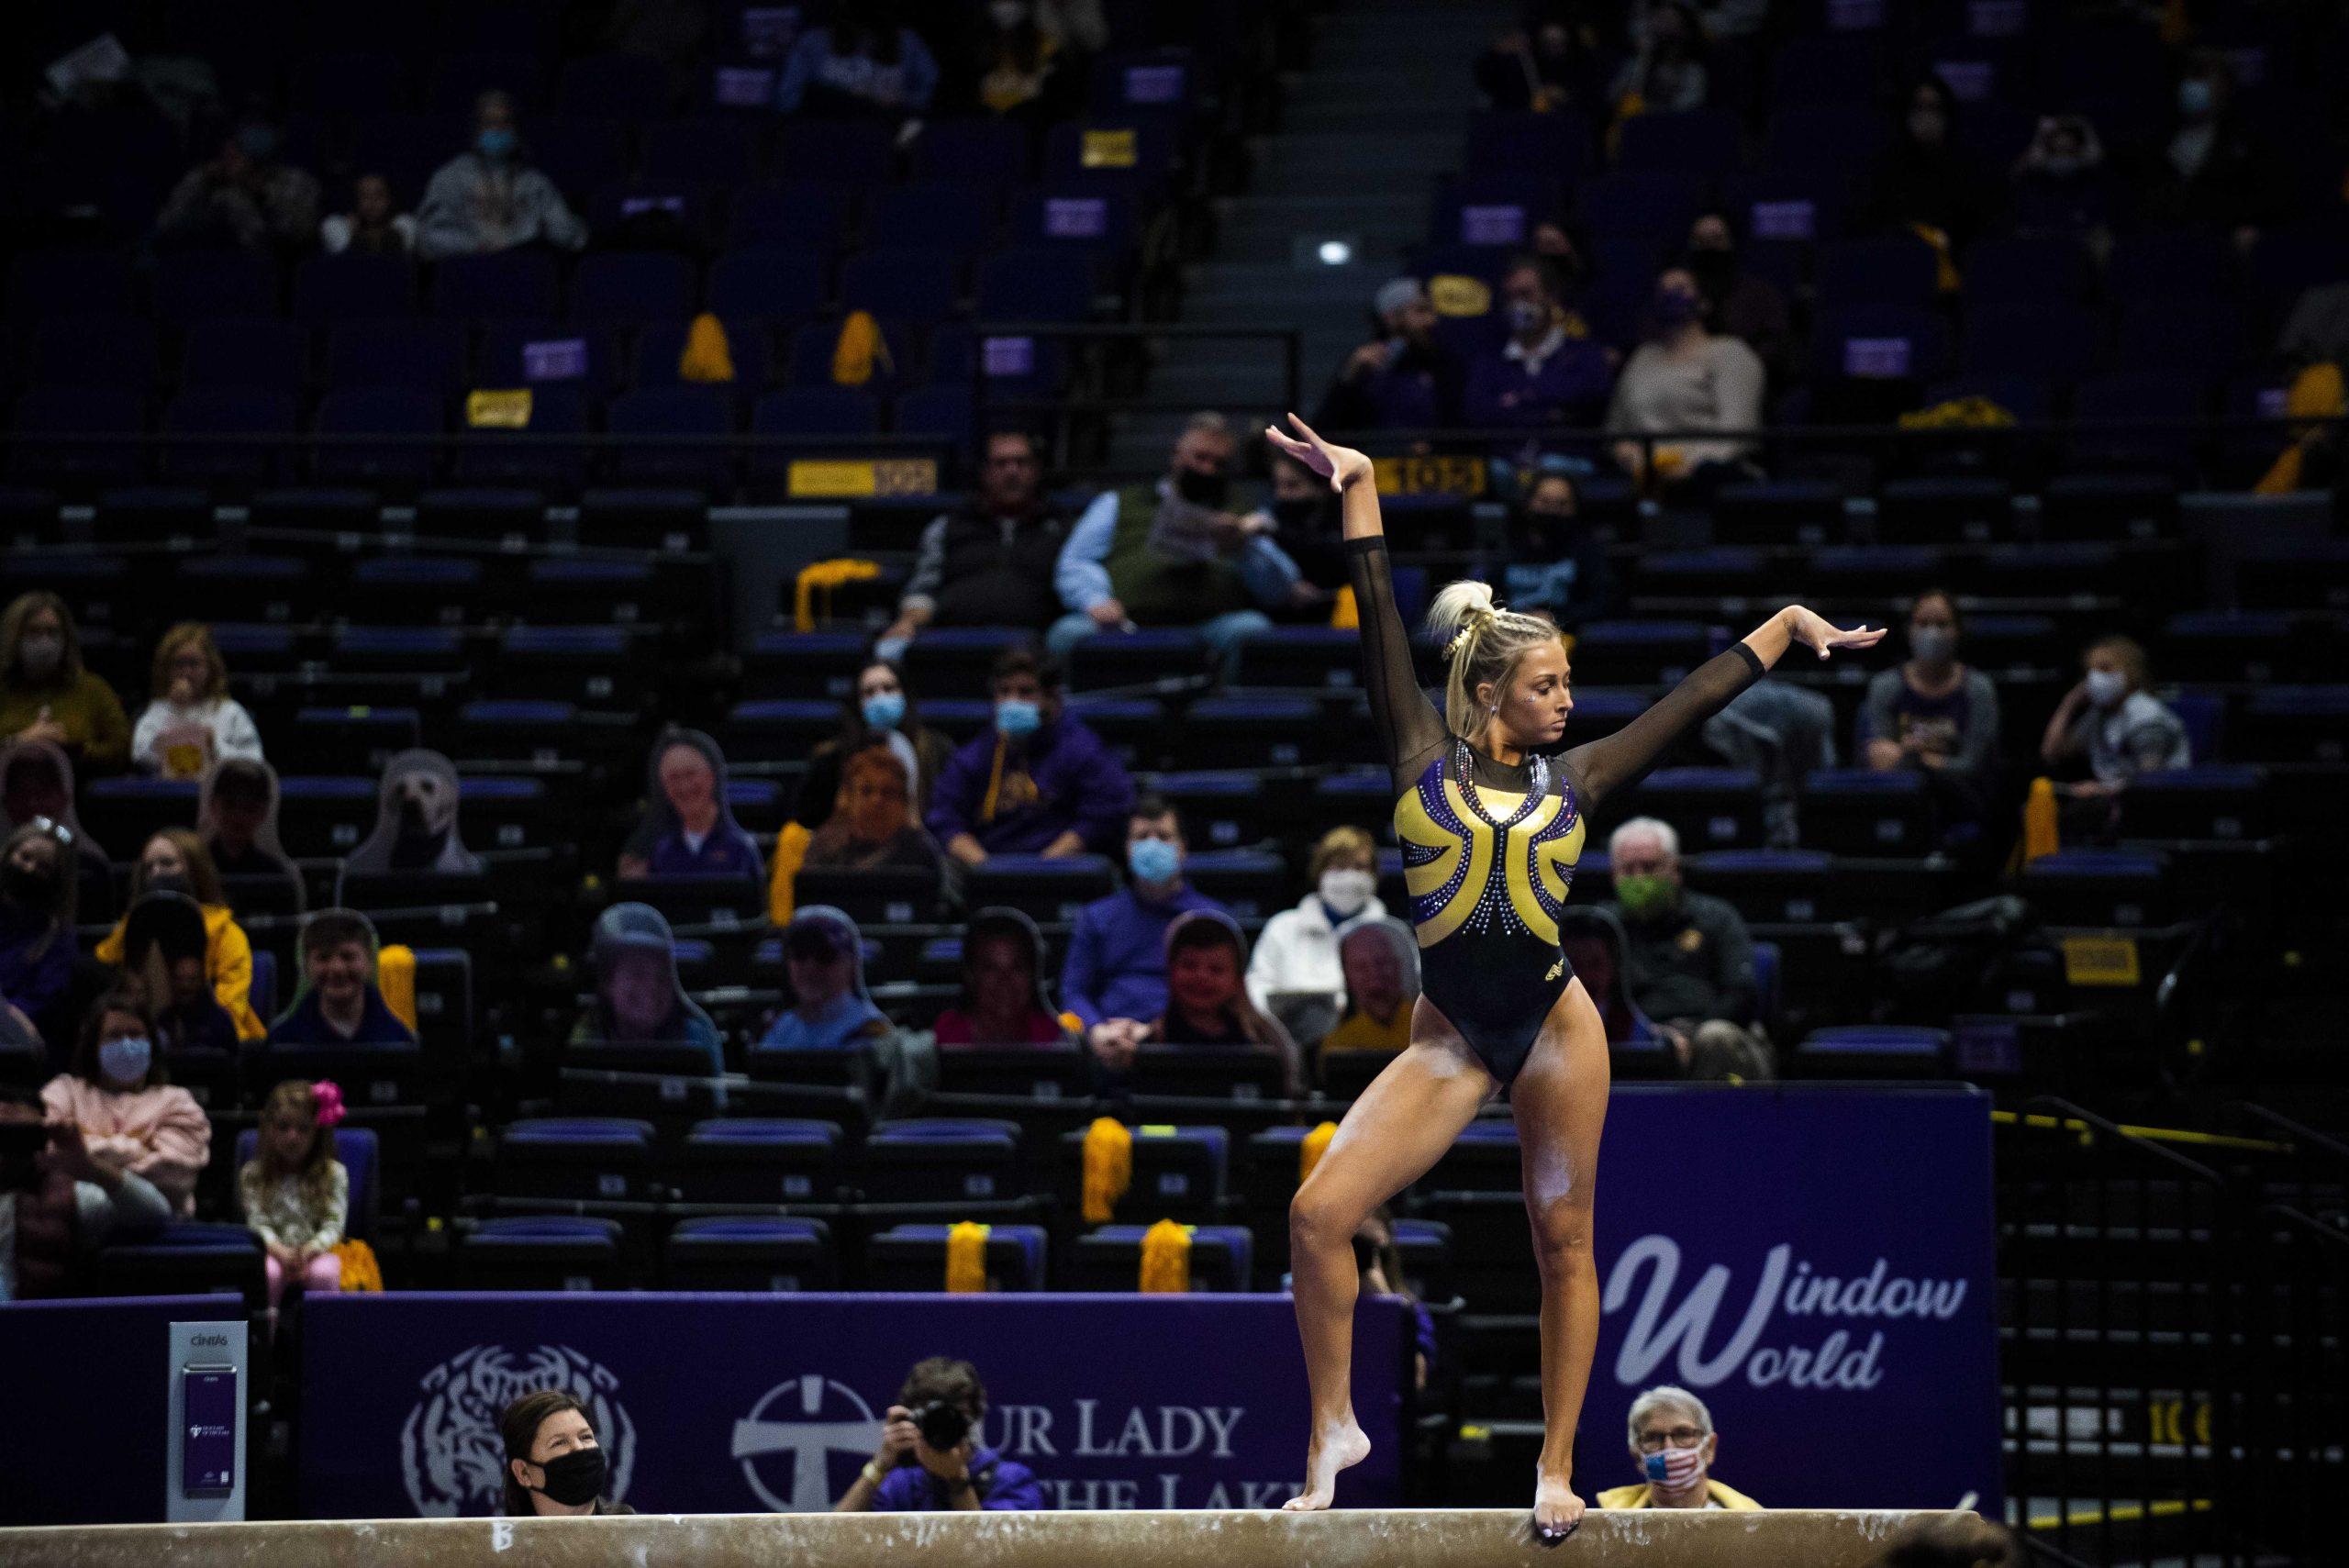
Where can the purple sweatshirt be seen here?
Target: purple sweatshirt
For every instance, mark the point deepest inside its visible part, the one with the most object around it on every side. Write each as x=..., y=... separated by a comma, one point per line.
x=1003, y=1484
x=1116, y=966
x=1060, y=778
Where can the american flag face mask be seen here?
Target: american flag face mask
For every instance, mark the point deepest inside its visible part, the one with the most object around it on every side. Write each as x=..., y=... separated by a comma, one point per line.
x=1675, y=1468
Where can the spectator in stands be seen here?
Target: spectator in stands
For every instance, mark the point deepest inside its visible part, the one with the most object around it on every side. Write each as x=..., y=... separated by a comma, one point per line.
x=866, y=65
x=176, y=861
x=879, y=713
x=1381, y=1263
x=2061, y=182
x=59, y=1204
x=1174, y=554
x=164, y=945
x=1674, y=1444
x=688, y=827
x=990, y=562
x=1380, y=960
x=373, y=227
x=2209, y=172
x=1114, y=975
x=1742, y=304
x=831, y=1010
x=1926, y=183
x=1555, y=566
x=1016, y=62
x=2111, y=720
x=1951, y=1541
x=1206, y=995
x=1687, y=957
x=874, y=827
x=1539, y=68
x=339, y=1003
x=295, y=1195
x=37, y=786
x=1039, y=782
x=1666, y=75
x=48, y=694
x=1934, y=714
x=415, y=821
x=638, y=999
x=1305, y=526
x=244, y=195
x=1543, y=376
x=553, y=1465
x=917, y=1469
x=38, y=889
x=190, y=720
x=1405, y=378
x=1686, y=378
x=491, y=198
x=236, y=817
x=1294, y=973
x=1003, y=1001
x=132, y=1119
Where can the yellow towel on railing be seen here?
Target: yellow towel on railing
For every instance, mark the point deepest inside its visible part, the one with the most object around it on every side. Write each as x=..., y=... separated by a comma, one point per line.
x=1976, y=412
x=1945, y=275
x=360, y=1270
x=2039, y=821
x=860, y=349
x=1314, y=1145
x=1108, y=1168
x=790, y=849
x=821, y=577
x=708, y=356
x=966, y=1258
x=1166, y=1260
x=1345, y=614
x=396, y=978
x=2317, y=393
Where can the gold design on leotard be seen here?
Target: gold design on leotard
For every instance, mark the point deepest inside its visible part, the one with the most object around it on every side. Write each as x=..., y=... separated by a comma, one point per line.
x=1522, y=859
x=1416, y=829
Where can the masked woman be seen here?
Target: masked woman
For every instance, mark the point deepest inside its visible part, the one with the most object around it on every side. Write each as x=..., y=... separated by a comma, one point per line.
x=1491, y=828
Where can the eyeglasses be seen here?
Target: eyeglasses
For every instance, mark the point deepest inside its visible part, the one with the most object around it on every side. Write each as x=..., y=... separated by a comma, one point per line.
x=1678, y=1436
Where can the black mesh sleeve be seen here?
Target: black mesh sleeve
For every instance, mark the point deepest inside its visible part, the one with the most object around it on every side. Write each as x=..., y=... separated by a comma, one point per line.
x=1410, y=727
x=1602, y=767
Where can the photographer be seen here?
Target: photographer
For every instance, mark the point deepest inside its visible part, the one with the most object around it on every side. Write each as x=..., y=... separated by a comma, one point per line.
x=929, y=1458
x=57, y=1205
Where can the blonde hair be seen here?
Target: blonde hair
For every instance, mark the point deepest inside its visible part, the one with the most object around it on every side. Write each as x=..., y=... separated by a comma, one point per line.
x=1480, y=642
x=1337, y=843
x=311, y=1177
x=187, y=635
x=2130, y=654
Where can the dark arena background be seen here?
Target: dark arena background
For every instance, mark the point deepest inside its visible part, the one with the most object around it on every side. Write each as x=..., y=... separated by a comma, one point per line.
x=672, y=745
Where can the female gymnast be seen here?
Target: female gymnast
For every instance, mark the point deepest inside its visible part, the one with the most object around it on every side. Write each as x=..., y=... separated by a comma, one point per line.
x=1490, y=831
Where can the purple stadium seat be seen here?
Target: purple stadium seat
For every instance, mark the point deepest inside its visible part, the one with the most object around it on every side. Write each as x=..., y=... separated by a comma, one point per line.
x=584, y=355
x=2172, y=263
x=348, y=84
x=660, y=346
x=1889, y=269
x=703, y=151
x=2137, y=395
x=265, y=353
x=457, y=80
x=1703, y=142
x=1099, y=223
x=428, y=355
x=1835, y=68
x=1555, y=146
x=987, y=151
x=76, y=410
x=951, y=217
x=1034, y=286
x=808, y=361
x=557, y=408
x=849, y=152
x=942, y=411
x=1787, y=206
x=353, y=288
x=93, y=350
x=2196, y=335
x=817, y=411
x=2027, y=269
x=914, y=283
x=631, y=285
x=580, y=155
x=672, y=411
x=1636, y=202
x=199, y=285
x=1497, y=209
x=48, y=284
x=1879, y=343
x=377, y=410
x=1838, y=139
x=772, y=285
x=503, y=286
x=2056, y=341
x=790, y=213
x=224, y=411
x=623, y=86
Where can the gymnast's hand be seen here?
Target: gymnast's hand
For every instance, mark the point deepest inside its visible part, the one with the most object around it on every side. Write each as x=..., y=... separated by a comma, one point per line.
x=1822, y=635
x=1343, y=466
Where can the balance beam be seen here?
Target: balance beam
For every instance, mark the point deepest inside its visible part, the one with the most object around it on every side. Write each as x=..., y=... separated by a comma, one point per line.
x=1398, y=1538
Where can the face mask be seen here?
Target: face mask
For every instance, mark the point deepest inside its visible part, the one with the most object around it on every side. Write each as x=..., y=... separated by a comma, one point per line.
x=1644, y=897
x=495, y=143
x=27, y=886
x=2194, y=97
x=1528, y=316
x=574, y=1478
x=1153, y=859
x=2106, y=686
x=40, y=654
x=1347, y=891
x=1006, y=14
x=1016, y=717
x=1203, y=489
x=127, y=1060
x=1674, y=1469
x=1297, y=513
x=1932, y=643
x=884, y=710
x=1674, y=307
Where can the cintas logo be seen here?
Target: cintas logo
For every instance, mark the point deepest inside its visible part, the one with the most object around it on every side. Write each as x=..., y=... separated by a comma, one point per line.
x=1850, y=1307
x=451, y=1455
x=808, y=1418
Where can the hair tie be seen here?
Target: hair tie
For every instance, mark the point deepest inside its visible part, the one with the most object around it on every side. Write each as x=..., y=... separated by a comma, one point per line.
x=329, y=1095
x=1476, y=622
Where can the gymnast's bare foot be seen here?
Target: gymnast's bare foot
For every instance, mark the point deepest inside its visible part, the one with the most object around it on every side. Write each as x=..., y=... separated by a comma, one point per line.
x=1330, y=1450
x=1557, y=1512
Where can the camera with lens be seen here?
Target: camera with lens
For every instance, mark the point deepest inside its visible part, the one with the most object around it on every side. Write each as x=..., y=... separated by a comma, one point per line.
x=942, y=1424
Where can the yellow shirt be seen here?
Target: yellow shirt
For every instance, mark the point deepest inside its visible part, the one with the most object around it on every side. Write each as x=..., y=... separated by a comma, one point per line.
x=228, y=963
x=1360, y=1031
x=85, y=709
x=1637, y=1496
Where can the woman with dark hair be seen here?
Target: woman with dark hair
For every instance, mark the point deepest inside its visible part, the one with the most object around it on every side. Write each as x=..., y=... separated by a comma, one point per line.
x=554, y=1467
x=38, y=883
x=1684, y=382
x=1003, y=1000
x=48, y=694
x=1381, y=1262
x=176, y=861
x=164, y=948
x=1206, y=997
x=1926, y=182
x=880, y=712
x=1933, y=714
x=132, y=1118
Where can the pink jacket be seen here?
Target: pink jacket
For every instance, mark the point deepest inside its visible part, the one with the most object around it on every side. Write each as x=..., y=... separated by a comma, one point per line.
x=159, y=1133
